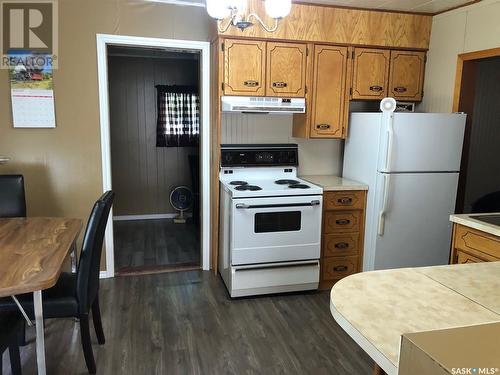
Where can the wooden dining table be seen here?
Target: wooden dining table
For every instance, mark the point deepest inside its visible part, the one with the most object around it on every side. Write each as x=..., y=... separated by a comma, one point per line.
x=32, y=254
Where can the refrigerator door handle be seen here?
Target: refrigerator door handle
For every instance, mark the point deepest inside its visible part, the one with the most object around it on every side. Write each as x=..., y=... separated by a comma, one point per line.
x=381, y=218
x=390, y=142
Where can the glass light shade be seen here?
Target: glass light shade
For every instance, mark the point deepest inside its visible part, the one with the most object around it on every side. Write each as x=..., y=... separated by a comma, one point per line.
x=218, y=9
x=241, y=5
x=278, y=8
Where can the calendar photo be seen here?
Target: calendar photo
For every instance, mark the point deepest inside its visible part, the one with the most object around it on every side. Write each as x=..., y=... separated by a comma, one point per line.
x=32, y=92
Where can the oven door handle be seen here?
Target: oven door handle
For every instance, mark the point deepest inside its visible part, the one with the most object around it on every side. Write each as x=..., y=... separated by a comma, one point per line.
x=315, y=202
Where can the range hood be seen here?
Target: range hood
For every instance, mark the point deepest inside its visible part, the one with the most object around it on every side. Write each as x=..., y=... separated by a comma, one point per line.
x=254, y=104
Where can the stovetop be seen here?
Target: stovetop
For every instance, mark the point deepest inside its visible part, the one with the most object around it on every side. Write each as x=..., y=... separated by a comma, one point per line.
x=265, y=182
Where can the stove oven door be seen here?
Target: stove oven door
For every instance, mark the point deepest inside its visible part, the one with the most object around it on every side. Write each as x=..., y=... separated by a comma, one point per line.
x=275, y=229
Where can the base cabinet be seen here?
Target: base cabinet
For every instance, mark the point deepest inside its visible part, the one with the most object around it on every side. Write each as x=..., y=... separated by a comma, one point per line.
x=470, y=245
x=343, y=235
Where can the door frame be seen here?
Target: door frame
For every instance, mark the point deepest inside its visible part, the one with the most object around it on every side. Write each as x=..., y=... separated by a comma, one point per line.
x=104, y=40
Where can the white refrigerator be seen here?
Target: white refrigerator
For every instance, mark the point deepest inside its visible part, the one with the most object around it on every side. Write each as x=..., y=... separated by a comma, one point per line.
x=410, y=161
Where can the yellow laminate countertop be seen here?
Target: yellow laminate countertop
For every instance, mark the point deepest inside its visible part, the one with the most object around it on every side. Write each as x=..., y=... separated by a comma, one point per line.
x=334, y=183
x=469, y=221
x=377, y=308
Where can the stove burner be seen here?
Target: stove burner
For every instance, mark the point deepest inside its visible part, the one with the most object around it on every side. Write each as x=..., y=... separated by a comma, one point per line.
x=248, y=187
x=286, y=182
x=237, y=183
x=299, y=186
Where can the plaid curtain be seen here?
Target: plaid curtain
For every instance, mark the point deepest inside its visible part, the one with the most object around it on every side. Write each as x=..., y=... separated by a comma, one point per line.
x=178, y=123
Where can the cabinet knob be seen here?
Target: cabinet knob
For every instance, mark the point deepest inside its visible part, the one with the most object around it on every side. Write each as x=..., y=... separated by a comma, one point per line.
x=343, y=221
x=340, y=268
x=323, y=126
x=251, y=83
x=341, y=245
x=400, y=89
x=280, y=85
x=376, y=88
x=344, y=201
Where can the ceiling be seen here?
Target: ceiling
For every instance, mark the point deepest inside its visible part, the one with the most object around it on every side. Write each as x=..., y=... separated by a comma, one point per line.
x=419, y=6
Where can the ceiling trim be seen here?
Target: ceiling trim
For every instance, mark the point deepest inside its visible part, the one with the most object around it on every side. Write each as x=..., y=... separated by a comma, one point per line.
x=179, y=2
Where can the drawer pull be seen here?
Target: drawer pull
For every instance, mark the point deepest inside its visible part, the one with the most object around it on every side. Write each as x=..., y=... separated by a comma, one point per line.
x=340, y=268
x=376, y=88
x=323, y=126
x=251, y=83
x=344, y=200
x=341, y=245
x=400, y=89
x=280, y=85
x=343, y=221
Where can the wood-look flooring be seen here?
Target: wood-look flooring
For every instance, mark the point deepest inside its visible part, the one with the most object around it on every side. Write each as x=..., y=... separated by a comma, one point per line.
x=154, y=244
x=185, y=323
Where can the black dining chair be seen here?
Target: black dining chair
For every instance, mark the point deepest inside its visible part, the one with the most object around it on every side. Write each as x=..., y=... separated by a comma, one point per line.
x=12, y=196
x=10, y=328
x=75, y=295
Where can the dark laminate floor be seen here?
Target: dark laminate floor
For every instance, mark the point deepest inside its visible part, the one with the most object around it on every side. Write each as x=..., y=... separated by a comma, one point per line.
x=153, y=243
x=184, y=323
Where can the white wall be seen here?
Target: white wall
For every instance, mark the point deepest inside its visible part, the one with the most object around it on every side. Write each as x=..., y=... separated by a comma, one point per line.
x=316, y=156
x=472, y=28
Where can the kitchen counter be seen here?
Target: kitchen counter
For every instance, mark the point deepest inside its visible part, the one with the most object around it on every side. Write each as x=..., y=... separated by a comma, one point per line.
x=334, y=183
x=377, y=308
x=465, y=219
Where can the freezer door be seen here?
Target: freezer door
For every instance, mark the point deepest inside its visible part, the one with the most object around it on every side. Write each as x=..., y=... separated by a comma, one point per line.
x=412, y=225
x=421, y=142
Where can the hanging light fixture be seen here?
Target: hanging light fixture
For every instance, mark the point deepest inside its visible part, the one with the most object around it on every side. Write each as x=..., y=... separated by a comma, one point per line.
x=235, y=10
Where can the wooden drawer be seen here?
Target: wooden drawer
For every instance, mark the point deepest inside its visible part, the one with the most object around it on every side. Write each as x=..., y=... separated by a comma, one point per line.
x=477, y=243
x=340, y=200
x=342, y=221
x=337, y=268
x=463, y=257
x=340, y=244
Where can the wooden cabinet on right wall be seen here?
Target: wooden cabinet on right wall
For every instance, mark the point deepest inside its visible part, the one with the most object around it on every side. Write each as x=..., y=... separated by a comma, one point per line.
x=406, y=78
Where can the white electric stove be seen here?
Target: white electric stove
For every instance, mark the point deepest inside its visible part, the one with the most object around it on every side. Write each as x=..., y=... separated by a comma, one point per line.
x=270, y=222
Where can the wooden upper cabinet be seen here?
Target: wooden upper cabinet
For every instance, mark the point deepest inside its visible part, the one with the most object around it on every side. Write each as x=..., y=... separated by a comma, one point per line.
x=244, y=64
x=407, y=75
x=371, y=73
x=286, y=69
x=329, y=102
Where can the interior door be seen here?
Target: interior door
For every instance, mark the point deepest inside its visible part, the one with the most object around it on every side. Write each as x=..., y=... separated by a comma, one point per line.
x=286, y=69
x=329, y=103
x=416, y=228
x=371, y=73
x=406, y=78
x=244, y=64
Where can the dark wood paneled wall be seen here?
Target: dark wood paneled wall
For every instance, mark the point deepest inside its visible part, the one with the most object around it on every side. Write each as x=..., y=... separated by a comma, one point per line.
x=143, y=174
x=483, y=169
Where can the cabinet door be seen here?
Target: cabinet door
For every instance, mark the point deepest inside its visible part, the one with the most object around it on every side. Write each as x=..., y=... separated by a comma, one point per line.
x=329, y=109
x=407, y=75
x=244, y=63
x=371, y=73
x=286, y=69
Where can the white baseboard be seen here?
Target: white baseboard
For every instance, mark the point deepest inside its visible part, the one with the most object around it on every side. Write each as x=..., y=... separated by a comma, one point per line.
x=148, y=217
x=104, y=275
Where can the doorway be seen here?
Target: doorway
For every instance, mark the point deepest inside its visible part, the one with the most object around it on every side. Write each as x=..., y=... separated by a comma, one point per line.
x=477, y=93
x=161, y=211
